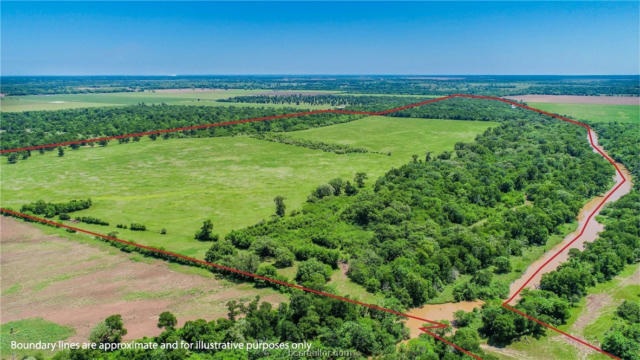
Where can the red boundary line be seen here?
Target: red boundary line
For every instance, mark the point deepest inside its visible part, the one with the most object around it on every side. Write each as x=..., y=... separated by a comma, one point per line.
x=434, y=324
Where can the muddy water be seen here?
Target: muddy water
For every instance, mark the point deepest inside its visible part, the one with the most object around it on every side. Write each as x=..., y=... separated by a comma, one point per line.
x=437, y=312
x=589, y=235
x=446, y=311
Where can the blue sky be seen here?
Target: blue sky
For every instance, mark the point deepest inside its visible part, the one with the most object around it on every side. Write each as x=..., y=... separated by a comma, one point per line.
x=77, y=38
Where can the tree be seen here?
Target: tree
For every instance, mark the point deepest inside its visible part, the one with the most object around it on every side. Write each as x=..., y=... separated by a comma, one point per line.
x=324, y=191
x=498, y=325
x=482, y=278
x=427, y=158
x=167, y=321
x=284, y=258
x=503, y=265
x=467, y=339
x=349, y=189
x=205, y=232
x=617, y=344
x=629, y=311
x=111, y=330
x=218, y=250
x=280, y=206
x=310, y=269
x=360, y=178
x=60, y=151
x=336, y=184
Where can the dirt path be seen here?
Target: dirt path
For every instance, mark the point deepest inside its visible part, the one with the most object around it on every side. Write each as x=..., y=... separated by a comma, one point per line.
x=589, y=235
x=598, y=303
x=78, y=285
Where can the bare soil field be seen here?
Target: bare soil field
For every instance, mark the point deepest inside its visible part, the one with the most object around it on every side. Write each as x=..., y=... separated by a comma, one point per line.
x=571, y=99
x=78, y=285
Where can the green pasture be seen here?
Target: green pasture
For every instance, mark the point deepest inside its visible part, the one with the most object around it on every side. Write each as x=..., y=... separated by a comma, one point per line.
x=30, y=331
x=594, y=112
x=402, y=137
x=176, y=184
x=71, y=101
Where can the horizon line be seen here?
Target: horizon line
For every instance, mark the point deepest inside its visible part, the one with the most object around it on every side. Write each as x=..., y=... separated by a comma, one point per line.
x=305, y=74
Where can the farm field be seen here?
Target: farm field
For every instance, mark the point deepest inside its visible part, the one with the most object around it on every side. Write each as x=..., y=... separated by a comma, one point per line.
x=589, y=320
x=593, y=112
x=83, y=281
x=171, y=97
x=577, y=99
x=176, y=184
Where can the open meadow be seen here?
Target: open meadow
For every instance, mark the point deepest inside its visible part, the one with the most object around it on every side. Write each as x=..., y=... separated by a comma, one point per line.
x=593, y=112
x=176, y=184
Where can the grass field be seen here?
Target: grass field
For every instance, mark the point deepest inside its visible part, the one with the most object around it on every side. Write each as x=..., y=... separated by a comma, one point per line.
x=30, y=331
x=594, y=112
x=402, y=137
x=178, y=183
x=71, y=101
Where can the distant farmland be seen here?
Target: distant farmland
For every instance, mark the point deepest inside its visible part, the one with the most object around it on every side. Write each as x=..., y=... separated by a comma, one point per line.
x=169, y=96
x=594, y=112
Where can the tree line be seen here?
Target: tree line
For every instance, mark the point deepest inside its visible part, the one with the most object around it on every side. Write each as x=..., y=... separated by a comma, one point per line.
x=310, y=144
x=49, y=209
x=380, y=84
x=46, y=127
x=327, y=324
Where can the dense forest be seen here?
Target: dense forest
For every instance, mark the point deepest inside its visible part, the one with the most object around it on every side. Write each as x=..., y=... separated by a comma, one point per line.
x=622, y=142
x=422, y=225
x=418, y=85
x=617, y=246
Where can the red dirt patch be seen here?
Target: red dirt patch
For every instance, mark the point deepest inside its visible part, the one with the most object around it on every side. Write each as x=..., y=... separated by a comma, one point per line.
x=570, y=99
x=79, y=285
